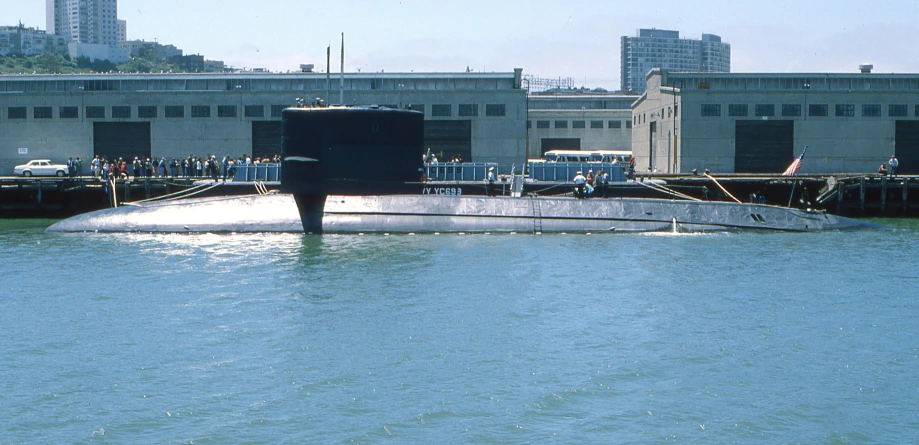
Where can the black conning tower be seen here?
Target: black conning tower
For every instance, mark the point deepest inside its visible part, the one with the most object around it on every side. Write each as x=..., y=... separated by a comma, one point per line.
x=347, y=151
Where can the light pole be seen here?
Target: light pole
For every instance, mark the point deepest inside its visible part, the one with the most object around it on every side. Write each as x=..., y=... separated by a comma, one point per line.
x=526, y=118
x=82, y=107
x=239, y=91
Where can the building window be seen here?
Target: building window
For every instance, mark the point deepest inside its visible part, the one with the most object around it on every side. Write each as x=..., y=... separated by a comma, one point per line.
x=628, y=124
x=254, y=111
x=441, y=110
x=277, y=109
x=676, y=110
x=146, y=111
x=69, y=112
x=845, y=110
x=495, y=110
x=764, y=110
x=871, y=110
x=615, y=124
x=818, y=110
x=738, y=110
x=121, y=112
x=95, y=112
x=16, y=113
x=791, y=110
x=42, y=113
x=596, y=124
x=711, y=110
x=561, y=124
x=175, y=111
x=468, y=110
x=897, y=111
x=578, y=124
x=529, y=125
x=200, y=111
x=416, y=107
x=226, y=110
x=916, y=111
x=542, y=124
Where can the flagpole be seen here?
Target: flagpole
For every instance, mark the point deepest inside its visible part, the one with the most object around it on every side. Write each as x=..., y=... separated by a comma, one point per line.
x=795, y=177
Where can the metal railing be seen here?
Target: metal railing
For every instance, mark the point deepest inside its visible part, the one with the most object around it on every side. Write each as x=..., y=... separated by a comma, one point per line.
x=257, y=172
x=458, y=171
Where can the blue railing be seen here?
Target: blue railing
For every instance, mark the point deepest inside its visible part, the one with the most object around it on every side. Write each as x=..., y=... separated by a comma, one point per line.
x=462, y=171
x=459, y=171
x=257, y=172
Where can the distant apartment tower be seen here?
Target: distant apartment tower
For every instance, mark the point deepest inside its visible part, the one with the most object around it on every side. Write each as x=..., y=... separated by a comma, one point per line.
x=122, y=32
x=84, y=21
x=658, y=48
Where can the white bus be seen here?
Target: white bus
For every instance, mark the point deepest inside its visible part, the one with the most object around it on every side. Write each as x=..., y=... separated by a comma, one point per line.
x=562, y=165
x=585, y=156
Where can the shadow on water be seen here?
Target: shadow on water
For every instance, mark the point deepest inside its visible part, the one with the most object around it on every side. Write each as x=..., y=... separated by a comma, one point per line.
x=895, y=223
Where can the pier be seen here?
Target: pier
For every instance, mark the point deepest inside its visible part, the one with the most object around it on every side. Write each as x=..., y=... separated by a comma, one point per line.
x=53, y=197
x=845, y=195
x=874, y=196
x=853, y=195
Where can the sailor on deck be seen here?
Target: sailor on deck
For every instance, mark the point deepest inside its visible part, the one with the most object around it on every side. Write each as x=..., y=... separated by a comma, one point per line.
x=490, y=182
x=579, y=182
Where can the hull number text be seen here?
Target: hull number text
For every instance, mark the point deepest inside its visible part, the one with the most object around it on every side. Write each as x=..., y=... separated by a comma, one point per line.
x=453, y=191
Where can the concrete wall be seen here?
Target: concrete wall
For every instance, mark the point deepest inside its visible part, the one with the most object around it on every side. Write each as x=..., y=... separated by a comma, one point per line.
x=605, y=138
x=659, y=110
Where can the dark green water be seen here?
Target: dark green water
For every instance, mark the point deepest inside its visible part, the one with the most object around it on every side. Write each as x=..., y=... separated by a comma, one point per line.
x=662, y=338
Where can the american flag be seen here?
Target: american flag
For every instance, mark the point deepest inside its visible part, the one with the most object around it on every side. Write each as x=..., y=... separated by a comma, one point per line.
x=793, y=168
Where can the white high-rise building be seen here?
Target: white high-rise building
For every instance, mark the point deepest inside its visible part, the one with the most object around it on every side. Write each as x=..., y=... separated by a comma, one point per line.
x=658, y=48
x=84, y=21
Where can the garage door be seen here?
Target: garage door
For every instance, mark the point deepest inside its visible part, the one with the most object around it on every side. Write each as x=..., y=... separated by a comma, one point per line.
x=907, y=146
x=449, y=138
x=560, y=144
x=763, y=146
x=266, y=139
x=121, y=139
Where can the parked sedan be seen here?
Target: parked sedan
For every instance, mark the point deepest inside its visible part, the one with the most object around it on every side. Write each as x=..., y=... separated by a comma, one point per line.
x=40, y=167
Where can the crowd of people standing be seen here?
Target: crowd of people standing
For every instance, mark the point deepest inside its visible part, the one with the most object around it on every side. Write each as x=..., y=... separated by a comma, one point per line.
x=193, y=166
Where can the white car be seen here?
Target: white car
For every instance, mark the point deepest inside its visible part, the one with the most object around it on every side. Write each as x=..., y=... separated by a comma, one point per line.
x=40, y=167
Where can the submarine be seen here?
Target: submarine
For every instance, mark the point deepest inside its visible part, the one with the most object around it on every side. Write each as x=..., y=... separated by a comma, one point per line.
x=355, y=169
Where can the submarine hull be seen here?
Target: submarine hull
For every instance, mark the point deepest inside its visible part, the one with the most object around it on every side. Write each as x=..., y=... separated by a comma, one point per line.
x=429, y=214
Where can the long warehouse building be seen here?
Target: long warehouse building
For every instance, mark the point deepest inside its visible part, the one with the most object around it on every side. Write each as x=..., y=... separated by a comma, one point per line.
x=479, y=116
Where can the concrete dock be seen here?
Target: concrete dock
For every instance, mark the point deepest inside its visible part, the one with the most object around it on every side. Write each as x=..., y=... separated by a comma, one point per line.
x=845, y=195
x=53, y=197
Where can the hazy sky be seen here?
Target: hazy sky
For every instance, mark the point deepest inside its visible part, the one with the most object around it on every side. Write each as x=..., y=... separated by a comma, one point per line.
x=560, y=38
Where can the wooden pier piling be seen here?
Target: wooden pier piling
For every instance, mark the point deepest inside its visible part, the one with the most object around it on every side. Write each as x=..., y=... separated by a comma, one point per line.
x=861, y=196
x=883, y=196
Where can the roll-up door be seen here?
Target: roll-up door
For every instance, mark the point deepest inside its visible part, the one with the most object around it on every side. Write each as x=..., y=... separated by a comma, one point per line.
x=266, y=139
x=763, y=146
x=447, y=139
x=560, y=144
x=907, y=147
x=121, y=140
